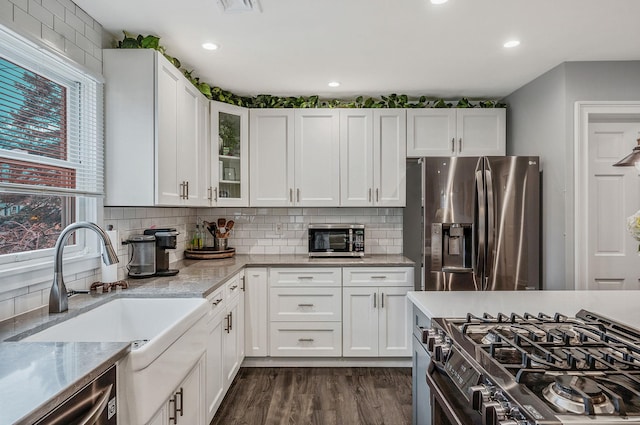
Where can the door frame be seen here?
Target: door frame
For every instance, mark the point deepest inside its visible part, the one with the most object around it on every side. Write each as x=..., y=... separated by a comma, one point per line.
x=583, y=112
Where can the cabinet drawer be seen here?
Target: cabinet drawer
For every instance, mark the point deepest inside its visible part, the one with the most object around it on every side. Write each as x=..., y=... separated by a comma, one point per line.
x=216, y=302
x=309, y=339
x=378, y=276
x=233, y=286
x=308, y=276
x=305, y=304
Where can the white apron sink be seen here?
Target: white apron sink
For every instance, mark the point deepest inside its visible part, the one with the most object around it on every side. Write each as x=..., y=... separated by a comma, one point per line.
x=168, y=338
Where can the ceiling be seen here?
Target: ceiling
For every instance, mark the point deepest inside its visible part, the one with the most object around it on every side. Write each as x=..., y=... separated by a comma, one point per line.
x=377, y=47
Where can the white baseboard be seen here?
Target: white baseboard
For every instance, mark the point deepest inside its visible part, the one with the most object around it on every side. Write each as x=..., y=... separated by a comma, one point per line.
x=326, y=362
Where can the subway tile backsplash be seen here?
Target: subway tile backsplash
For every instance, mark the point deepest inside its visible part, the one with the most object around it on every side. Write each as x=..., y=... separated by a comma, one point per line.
x=258, y=230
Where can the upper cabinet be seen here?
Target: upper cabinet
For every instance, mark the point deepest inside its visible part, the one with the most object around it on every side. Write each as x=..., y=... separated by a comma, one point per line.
x=155, y=127
x=295, y=157
x=229, y=155
x=456, y=132
x=372, y=157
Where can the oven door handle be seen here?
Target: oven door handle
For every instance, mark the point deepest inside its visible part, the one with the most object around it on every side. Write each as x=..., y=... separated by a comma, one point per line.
x=439, y=396
x=92, y=417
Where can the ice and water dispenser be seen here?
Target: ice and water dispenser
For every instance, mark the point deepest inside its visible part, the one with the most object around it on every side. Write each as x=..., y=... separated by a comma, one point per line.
x=451, y=247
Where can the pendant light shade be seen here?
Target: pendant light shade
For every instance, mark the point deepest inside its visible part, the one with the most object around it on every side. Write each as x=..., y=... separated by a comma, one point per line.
x=633, y=159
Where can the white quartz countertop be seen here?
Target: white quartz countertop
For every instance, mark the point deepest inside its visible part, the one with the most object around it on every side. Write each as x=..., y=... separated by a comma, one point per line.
x=622, y=306
x=37, y=376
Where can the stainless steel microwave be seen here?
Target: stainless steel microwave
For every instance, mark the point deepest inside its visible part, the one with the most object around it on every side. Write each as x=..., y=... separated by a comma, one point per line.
x=336, y=240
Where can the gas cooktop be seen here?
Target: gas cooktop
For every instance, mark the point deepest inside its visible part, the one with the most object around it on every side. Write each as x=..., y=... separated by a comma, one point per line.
x=527, y=369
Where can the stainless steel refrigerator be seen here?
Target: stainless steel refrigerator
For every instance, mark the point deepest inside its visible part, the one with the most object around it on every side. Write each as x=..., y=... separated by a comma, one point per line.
x=480, y=222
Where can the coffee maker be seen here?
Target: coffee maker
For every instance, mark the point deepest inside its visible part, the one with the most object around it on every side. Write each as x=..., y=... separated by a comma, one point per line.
x=166, y=238
x=142, y=256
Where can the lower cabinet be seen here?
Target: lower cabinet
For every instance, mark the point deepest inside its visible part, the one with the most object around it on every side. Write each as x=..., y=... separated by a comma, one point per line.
x=305, y=310
x=256, y=323
x=376, y=313
x=186, y=404
x=225, y=343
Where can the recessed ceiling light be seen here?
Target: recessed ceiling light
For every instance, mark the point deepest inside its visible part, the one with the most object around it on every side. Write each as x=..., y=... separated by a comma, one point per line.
x=334, y=84
x=210, y=46
x=511, y=43
x=438, y=1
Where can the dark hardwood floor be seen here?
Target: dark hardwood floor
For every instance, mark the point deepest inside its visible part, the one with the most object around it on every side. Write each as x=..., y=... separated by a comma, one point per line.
x=322, y=396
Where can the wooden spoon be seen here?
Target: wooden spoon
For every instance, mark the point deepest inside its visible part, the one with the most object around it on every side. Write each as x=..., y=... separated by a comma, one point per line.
x=229, y=226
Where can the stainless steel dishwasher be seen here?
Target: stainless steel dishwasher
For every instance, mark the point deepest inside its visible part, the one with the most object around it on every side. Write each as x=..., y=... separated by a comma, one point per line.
x=94, y=404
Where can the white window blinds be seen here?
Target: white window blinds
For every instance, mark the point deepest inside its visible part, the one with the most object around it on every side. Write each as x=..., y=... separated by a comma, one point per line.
x=51, y=134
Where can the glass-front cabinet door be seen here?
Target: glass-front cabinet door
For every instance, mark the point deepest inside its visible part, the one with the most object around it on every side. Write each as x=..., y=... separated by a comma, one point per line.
x=230, y=153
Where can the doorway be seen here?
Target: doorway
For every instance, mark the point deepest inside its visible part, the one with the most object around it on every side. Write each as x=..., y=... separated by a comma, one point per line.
x=606, y=256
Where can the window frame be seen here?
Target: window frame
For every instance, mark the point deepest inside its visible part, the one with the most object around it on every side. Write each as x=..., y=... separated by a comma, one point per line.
x=18, y=270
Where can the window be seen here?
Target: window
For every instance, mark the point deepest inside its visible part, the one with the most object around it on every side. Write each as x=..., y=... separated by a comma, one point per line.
x=51, y=151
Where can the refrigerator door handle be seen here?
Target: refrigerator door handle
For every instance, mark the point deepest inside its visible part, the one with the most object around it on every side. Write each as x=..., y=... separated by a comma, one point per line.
x=490, y=223
x=479, y=242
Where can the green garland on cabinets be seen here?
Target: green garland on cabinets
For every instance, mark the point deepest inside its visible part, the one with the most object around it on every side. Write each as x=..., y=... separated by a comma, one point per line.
x=269, y=101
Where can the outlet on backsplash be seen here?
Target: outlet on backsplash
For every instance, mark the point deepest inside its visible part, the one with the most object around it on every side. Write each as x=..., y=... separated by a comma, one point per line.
x=279, y=229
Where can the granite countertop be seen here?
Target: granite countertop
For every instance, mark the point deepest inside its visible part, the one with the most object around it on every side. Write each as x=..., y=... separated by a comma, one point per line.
x=621, y=306
x=35, y=377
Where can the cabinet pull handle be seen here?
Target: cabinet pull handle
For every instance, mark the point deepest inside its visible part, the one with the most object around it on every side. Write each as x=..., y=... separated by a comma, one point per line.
x=304, y=277
x=305, y=339
x=374, y=299
x=379, y=277
x=453, y=145
x=216, y=190
x=305, y=305
x=377, y=194
x=233, y=287
x=181, y=190
x=382, y=300
x=216, y=302
x=181, y=408
x=187, y=197
x=460, y=145
x=369, y=194
x=227, y=319
x=231, y=320
x=174, y=418
x=298, y=195
x=242, y=283
x=290, y=195
x=210, y=193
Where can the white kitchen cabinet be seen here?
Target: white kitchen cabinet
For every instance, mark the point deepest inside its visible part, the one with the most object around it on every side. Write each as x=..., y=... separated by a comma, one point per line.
x=456, y=132
x=154, y=129
x=233, y=327
x=373, y=157
x=376, y=314
x=305, y=309
x=295, y=158
x=215, y=382
x=186, y=405
x=256, y=329
x=229, y=155
x=225, y=343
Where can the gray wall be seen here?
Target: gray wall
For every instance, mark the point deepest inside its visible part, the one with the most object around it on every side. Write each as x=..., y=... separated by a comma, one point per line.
x=540, y=122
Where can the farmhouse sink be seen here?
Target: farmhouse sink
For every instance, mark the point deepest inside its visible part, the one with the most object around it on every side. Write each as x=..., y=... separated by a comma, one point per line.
x=167, y=336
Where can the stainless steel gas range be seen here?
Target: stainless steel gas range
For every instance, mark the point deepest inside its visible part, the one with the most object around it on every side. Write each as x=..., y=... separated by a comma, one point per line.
x=533, y=370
